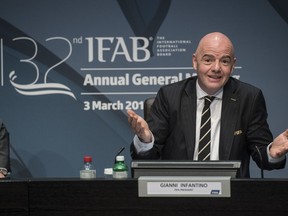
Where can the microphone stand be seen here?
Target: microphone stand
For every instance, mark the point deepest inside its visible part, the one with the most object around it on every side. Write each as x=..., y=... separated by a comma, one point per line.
x=261, y=161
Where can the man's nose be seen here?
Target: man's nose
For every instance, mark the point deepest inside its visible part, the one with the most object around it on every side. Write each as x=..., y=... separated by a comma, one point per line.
x=216, y=66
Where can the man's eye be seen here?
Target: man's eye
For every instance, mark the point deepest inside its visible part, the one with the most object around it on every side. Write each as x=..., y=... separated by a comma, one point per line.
x=207, y=60
x=226, y=61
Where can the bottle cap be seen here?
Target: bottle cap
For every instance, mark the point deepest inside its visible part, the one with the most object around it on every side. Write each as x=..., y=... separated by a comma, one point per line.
x=120, y=158
x=87, y=159
x=108, y=171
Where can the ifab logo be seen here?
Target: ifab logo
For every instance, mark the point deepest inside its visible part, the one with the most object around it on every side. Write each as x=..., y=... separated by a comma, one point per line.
x=215, y=192
x=108, y=49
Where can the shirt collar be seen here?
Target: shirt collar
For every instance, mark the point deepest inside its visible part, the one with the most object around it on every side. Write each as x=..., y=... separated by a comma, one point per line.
x=201, y=93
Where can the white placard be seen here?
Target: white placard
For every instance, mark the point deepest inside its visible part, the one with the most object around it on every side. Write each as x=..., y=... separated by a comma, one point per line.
x=205, y=186
x=208, y=188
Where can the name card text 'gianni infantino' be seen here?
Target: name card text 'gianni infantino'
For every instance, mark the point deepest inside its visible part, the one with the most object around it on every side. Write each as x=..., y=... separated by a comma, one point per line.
x=204, y=188
x=184, y=186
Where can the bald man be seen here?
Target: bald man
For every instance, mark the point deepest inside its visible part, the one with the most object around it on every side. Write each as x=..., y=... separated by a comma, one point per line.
x=239, y=127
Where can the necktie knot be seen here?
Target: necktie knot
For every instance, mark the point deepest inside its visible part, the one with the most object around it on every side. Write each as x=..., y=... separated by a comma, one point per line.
x=208, y=100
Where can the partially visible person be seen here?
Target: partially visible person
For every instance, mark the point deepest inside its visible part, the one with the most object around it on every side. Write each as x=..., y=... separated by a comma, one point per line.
x=4, y=151
x=239, y=127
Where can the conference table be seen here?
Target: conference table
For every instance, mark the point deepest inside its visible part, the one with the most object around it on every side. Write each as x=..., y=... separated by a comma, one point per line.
x=74, y=196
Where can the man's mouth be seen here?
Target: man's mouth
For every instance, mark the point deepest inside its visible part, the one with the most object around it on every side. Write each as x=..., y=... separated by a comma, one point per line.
x=215, y=77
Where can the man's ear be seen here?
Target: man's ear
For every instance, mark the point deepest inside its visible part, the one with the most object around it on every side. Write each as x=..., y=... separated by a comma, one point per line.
x=234, y=65
x=194, y=61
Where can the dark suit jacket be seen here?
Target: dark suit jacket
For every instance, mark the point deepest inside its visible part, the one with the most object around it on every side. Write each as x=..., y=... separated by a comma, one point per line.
x=4, y=147
x=244, y=125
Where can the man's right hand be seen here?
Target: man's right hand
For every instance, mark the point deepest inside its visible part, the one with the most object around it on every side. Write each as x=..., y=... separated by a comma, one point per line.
x=139, y=126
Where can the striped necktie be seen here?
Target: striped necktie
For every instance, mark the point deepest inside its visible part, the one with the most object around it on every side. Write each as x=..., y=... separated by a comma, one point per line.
x=205, y=131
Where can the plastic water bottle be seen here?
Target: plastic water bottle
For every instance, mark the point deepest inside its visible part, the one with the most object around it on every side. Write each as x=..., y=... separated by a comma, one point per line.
x=120, y=169
x=88, y=172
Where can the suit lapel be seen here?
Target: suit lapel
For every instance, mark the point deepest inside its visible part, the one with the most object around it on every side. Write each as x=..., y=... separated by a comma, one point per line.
x=229, y=116
x=188, y=117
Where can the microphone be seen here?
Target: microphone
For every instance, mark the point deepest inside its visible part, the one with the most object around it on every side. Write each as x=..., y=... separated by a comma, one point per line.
x=119, y=152
x=261, y=161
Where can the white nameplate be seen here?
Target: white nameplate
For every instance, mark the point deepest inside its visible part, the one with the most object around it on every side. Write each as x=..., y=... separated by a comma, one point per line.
x=183, y=186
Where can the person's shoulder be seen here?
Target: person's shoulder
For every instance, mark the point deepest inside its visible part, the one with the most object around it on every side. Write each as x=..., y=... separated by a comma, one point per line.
x=2, y=127
x=179, y=85
x=239, y=85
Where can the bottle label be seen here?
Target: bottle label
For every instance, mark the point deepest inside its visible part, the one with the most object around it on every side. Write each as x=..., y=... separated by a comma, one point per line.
x=87, y=174
x=120, y=174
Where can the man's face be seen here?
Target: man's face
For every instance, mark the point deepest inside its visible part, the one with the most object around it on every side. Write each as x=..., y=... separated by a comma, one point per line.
x=214, y=62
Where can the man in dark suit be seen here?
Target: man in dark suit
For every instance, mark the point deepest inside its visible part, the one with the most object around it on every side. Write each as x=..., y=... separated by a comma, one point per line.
x=239, y=125
x=4, y=151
